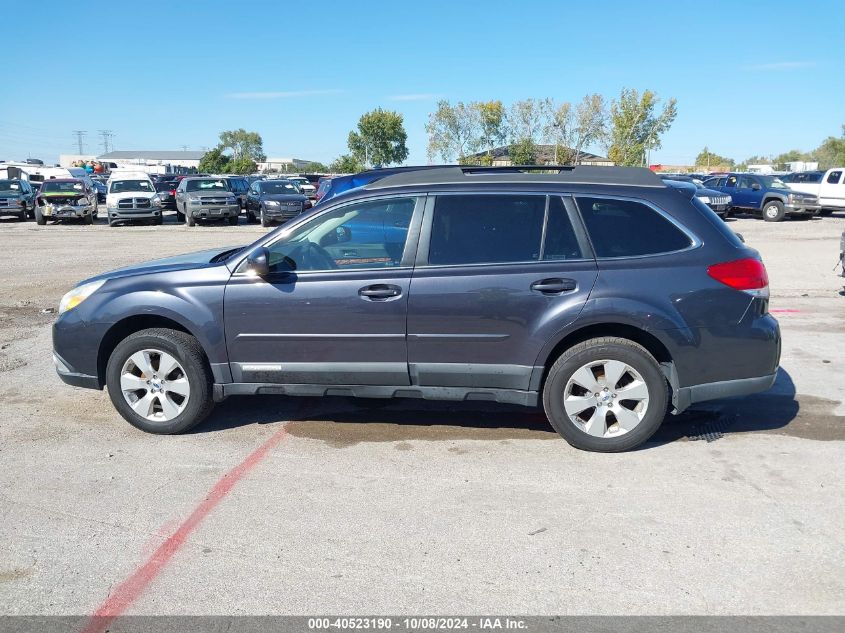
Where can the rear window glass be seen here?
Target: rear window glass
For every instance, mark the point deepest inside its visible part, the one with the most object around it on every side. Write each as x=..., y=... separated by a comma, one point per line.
x=626, y=228
x=486, y=229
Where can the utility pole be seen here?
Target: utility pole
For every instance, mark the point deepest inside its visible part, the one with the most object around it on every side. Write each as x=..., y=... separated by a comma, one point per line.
x=106, y=134
x=184, y=148
x=80, y=136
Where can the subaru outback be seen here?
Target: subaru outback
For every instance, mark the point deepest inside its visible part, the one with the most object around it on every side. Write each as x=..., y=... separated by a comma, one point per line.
x=599, y=293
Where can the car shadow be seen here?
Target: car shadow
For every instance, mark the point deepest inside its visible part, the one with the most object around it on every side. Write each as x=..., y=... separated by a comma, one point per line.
x=334, y=418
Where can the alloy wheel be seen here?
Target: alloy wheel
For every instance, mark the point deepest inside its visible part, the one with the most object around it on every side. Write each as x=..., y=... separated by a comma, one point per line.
x=606, y=398
x=155, y=385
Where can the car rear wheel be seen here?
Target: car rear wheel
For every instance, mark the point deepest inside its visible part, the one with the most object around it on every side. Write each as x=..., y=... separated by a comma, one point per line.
x=605, y=395
x=158, y=380
x=773, y=211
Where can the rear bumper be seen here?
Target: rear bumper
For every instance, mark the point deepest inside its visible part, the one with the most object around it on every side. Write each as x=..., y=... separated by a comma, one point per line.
x=686, y=396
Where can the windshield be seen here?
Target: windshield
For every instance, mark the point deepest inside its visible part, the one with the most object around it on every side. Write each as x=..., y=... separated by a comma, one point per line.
x=772, y=182
x=123, y=186
x=300, y=181
x=206, y=185
x=278, y=187
x=10, y=185
x=62, y=187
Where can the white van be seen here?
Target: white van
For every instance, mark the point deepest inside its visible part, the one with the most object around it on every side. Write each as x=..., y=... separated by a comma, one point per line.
x=828, y=186
x=132, y=196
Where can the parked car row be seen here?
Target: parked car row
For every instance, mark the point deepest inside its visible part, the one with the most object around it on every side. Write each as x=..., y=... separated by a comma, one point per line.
x=131, y=196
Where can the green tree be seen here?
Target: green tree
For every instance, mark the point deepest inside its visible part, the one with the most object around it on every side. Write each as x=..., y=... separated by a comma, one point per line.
x=558, y=129
x=214, y=161
x=380, y=138
x=636, y=127
x=315, y=167
x=590, y=124
x=243, y=165
x=831, y=153
x=243, y=144
x=453, y=131
x=708, y=160
x=491, y=124
x=528, y=119
x=346, y=164
x=523, y=152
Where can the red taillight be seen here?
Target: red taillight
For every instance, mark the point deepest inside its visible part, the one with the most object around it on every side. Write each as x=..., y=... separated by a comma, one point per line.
x=747, y=274
x=172, y=192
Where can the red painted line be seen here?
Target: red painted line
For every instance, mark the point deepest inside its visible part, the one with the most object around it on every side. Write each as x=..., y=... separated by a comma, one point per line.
x=788, y=311
x=131, y=589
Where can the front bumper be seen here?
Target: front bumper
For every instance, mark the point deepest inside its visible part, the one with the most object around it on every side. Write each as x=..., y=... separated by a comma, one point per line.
x=134, y=214
x=66, y=210
x=73, y=378
x=213, y=212
x=798, y=208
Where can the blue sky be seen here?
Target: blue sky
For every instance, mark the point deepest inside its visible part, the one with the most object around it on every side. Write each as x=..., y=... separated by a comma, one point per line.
x=750, y=77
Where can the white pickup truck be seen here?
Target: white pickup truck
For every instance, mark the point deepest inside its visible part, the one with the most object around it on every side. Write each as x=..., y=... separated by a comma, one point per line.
x=828, y=186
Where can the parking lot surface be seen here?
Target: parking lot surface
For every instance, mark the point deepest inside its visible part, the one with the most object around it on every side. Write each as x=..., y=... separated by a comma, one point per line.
x=295, y=506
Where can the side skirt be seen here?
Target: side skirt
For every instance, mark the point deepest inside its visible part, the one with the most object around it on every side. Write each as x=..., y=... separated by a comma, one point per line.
x=510, y=396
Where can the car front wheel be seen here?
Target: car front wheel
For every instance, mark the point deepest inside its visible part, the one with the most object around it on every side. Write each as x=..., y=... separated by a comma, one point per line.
x=606, y=395
x=158, y=380
x=773, y=211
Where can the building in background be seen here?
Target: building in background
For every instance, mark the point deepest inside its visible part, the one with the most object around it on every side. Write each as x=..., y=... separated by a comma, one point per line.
x=153, y=162
x=282, y=164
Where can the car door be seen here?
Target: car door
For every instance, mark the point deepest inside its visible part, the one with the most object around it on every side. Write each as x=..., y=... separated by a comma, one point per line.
x=252, y=198
x=832, y=189
x=750, y=191
x=333, y=309
x=497, y=276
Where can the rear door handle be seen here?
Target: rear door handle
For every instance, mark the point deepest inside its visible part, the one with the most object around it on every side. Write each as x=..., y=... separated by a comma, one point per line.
x=379, y=292
x=554, y=285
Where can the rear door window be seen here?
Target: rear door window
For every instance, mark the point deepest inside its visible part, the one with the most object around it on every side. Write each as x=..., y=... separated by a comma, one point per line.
x=486, y=229
x=627, y=228
x=561, y=242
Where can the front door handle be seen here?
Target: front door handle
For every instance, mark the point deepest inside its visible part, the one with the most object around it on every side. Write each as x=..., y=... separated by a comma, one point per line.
x=554, y=285
x=379, y=292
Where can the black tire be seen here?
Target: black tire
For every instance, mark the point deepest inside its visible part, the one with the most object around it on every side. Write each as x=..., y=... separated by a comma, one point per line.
x=89, y=218
x=250, y=218
x=158, y=221
x=773, y=211
x=264, y=221
x=233, y=221
x=185, y=349
x=189, y=220
x=825, y=212
x=614, y=349
x=96, y=212
x=180, y=217
x=39, y=218
x=22, y=216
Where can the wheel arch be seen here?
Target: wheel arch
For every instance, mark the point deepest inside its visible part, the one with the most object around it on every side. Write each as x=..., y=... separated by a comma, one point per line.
x=128, y=326
x=651, y=342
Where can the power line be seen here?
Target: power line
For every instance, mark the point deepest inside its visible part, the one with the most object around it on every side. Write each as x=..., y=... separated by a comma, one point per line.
x=107, y=135
x=80, y=135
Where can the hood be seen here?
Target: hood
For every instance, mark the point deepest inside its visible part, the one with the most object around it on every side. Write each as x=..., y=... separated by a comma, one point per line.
x=133, y=194
x=9, y=194
x=197, y=259
x=283, y=197
x=710, y=193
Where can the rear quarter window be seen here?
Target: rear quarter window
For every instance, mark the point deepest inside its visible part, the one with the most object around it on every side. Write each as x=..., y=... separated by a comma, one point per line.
x=627, y=228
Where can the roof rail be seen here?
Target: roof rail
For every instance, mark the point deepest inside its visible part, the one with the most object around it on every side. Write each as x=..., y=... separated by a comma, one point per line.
x=468, y=174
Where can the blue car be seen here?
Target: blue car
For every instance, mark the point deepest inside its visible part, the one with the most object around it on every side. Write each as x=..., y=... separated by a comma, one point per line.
x=765, y=195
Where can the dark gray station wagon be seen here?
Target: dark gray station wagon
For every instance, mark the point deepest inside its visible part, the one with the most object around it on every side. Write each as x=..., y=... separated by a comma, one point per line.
x=600, y=293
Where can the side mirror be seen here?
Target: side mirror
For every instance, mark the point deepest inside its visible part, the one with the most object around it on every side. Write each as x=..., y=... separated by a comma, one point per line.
x=258, y=262
x=755, y=187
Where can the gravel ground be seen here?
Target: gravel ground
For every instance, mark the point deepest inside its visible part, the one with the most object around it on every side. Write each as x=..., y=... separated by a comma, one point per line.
x=415, y=507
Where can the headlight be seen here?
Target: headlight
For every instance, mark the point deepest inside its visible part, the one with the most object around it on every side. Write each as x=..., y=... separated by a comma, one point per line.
x=193, y=199
x=271, y=203
x=78, y=295
x=705, y=199
x=155, y=201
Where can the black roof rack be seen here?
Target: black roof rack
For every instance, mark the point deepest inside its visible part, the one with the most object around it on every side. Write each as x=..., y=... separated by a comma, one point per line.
x=467, y=174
